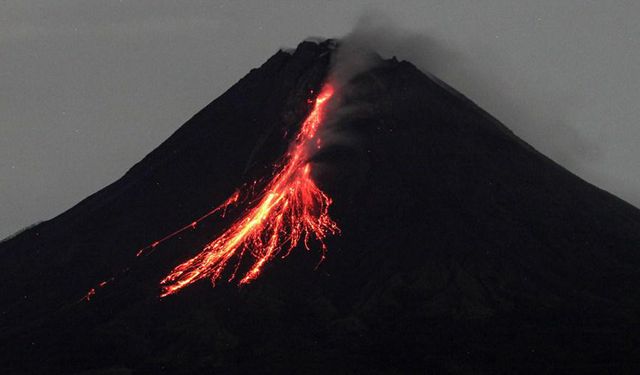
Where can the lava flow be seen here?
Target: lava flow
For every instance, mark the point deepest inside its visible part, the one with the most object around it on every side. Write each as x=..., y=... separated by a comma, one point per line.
x=291, y=209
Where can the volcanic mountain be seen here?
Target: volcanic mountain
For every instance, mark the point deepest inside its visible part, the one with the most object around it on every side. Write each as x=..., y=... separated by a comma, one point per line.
x=461, y=248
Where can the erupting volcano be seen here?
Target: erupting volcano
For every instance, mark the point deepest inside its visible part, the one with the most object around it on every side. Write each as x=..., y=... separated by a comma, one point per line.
x=462, y=249
x=289, y=209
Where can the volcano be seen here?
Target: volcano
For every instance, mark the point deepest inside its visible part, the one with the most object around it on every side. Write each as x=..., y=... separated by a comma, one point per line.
x=461, y=249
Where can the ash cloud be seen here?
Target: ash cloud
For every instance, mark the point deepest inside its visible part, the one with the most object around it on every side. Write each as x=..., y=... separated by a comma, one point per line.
x=353, y=56
x=540, y=118
x=341, y=160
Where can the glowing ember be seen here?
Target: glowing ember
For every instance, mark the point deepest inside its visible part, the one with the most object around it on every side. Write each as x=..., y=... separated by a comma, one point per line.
x=290, y=209
x=92, y=292
x=233, y=199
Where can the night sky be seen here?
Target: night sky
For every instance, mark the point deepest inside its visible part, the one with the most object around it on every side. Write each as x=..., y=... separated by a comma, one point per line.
x=89, y=88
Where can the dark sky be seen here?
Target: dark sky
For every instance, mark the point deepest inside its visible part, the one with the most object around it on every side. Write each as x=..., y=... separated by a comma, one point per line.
x=90, y=87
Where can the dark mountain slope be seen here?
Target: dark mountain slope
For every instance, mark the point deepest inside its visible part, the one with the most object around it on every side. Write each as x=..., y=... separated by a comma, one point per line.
x=463, y=250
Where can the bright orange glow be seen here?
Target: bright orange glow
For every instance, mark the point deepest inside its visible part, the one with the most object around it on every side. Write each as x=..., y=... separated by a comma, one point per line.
x=289, y=210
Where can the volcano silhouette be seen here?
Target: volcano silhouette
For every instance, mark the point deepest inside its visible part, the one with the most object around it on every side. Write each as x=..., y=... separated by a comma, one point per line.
x=463, y=249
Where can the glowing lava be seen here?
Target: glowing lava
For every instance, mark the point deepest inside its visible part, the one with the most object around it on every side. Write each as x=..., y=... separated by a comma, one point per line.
x=290, y=209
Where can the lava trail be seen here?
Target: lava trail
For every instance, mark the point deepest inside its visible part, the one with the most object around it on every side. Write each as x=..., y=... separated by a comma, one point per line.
x=290, y=210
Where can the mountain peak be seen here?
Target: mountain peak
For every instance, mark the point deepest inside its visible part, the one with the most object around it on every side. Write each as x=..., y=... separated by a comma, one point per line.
x=460, y=244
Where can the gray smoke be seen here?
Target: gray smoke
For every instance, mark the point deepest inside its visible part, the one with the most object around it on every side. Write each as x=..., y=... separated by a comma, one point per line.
x=540, y=117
